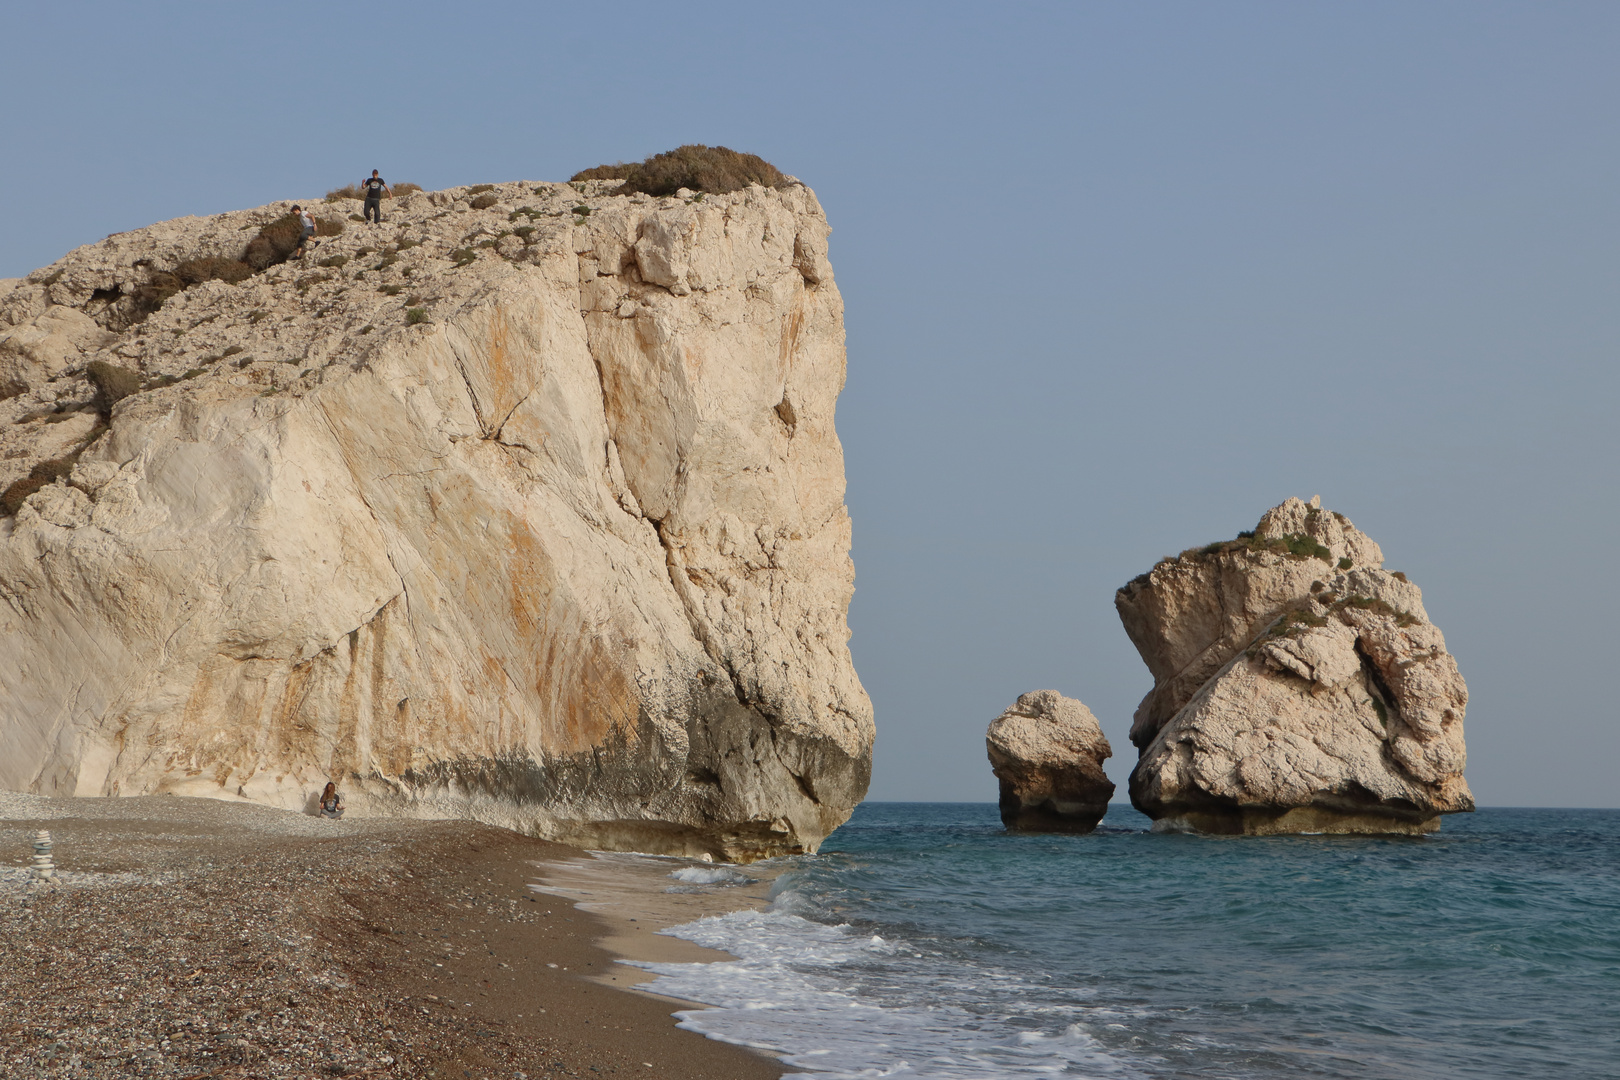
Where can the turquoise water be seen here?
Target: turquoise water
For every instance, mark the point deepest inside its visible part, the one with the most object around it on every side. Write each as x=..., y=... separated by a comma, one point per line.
x=927, y=942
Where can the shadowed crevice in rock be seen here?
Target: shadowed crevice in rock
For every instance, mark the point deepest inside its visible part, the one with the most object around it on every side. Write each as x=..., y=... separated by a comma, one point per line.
x=1383, y=699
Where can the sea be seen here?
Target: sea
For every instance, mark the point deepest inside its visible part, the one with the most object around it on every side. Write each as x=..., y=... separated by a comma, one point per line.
x=926, y=941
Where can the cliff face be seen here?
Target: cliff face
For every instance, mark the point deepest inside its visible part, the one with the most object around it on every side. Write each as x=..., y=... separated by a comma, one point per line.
x=526, y=507
x=1299, y=687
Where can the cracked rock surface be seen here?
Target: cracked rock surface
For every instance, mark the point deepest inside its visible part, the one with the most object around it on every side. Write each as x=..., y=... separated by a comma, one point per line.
x=1299, y=687
x=524, y=507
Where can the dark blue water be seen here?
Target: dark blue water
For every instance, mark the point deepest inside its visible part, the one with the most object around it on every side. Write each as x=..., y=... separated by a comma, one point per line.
x=926, y=941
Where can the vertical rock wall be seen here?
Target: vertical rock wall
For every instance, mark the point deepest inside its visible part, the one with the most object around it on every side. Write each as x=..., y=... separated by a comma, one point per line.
x=566, y=550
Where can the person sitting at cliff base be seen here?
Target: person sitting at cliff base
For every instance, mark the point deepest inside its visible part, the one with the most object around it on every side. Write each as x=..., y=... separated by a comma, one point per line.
x=331, y=802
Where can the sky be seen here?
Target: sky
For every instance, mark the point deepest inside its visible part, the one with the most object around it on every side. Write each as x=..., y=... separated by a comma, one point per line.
x=1118, y=277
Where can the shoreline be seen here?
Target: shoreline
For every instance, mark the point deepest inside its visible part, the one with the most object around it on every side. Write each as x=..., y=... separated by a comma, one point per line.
x=633, y=897
x=198, y=938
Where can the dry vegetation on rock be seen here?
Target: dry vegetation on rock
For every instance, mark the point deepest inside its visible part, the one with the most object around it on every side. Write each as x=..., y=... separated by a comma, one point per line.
x=354, y=191
x=714, y=170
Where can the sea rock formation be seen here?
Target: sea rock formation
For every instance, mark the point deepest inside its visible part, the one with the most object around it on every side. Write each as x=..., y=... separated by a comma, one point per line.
x=524, y=506
x=1047, y=750
x=1298, y=687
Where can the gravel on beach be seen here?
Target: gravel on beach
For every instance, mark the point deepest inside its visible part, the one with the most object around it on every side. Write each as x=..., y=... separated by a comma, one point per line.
x=192, y=938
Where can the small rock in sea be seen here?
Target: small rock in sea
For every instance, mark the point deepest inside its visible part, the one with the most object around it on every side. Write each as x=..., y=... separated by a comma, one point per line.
x=1047, y=750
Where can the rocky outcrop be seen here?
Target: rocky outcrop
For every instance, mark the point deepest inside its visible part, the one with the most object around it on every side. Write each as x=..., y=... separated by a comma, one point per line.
x=1298, y=687
x=525, y=506
x=1047, y=751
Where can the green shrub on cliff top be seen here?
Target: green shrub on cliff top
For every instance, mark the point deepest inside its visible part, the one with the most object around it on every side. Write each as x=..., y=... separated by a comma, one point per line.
x=1306, y=547
x=714, y=169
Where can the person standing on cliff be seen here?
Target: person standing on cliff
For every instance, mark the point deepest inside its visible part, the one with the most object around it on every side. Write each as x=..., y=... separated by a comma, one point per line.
x=374, y=188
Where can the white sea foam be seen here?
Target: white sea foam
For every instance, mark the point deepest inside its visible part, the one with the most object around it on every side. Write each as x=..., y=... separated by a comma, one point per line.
x=849, y=1004
x=711, y=875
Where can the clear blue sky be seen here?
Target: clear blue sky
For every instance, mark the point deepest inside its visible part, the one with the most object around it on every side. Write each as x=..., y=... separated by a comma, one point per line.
x=1119, y=277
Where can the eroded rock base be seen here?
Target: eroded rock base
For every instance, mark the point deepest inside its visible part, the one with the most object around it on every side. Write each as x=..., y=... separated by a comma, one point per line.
x=1049, y=816
x=1309, y=820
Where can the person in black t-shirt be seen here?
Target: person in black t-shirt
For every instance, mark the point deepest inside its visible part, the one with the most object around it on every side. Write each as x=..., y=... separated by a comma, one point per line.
x=374, y=188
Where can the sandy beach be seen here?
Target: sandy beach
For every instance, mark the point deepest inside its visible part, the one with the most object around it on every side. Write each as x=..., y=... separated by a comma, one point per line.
x=194, y=938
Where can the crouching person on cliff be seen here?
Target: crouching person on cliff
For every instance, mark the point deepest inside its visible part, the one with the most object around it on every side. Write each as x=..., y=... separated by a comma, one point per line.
x=331, y=802
x=306, y=231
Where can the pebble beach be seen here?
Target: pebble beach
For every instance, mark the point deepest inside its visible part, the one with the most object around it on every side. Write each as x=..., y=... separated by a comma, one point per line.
x=193, y=938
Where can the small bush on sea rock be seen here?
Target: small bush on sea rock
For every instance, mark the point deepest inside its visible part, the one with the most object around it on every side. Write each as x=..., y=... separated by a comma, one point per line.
x=713, y=169
x=484, y=202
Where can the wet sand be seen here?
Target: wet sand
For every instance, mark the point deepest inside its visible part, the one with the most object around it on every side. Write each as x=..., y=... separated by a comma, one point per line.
x=192, y=938
x=634, y=897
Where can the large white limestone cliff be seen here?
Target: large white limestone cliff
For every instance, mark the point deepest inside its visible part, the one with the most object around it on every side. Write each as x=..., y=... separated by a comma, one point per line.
x=525, y=506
